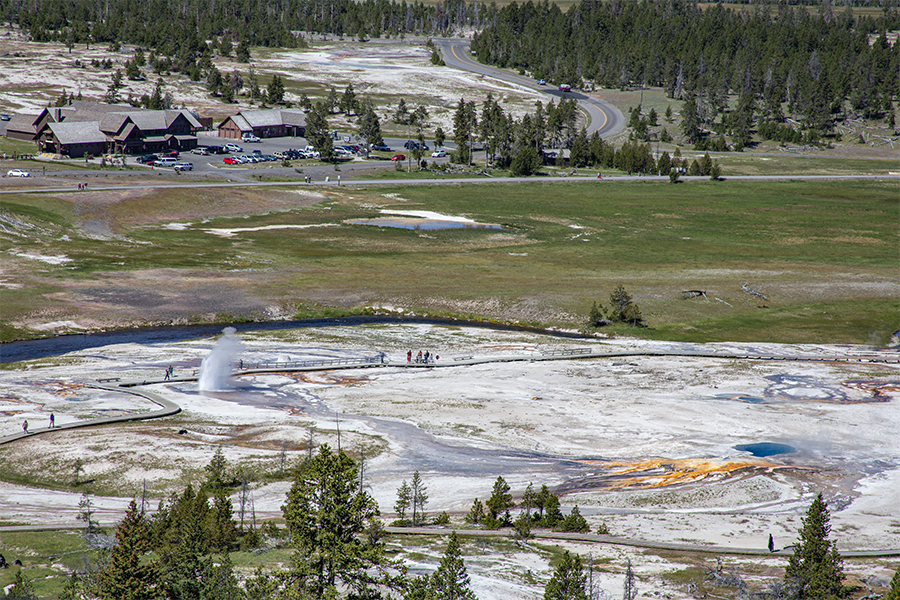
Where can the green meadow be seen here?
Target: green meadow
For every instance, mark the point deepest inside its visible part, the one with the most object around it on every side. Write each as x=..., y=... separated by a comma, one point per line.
x=822, y=255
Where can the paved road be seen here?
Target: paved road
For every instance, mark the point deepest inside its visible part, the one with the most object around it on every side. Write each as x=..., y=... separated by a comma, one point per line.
x=543, y=535
x=348, y=180
x=604, y=118
x=634, y=543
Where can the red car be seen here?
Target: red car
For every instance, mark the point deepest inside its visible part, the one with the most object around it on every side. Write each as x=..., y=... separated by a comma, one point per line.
x=397, y=157
x=230, y=160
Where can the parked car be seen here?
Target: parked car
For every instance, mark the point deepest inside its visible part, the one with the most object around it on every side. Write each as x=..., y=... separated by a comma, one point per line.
x=233, y=148
x=249, y=138
x=439, y=154
x=201, y=150
x=380, y=148
x=165, y=161
x=230, y=160
x=414, y=145
x=4, y=117
x=217, y=149
x=169, y=154
x=145, y=159
x=18, y=173
x=184, y=166
x=397, y=157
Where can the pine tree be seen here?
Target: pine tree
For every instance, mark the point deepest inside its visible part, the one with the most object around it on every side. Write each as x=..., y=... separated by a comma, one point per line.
x=22, y=587
x=529, y=500
x=156, y=100
x=499, y=504
x=525, y=163
x=815, y=569
x=623, y=309
x=317, y=131
x=894, y=590
x=348, y=103
x=214, y=81
x=552, y=513
x=580, y=154
x=568, y=580
x=124, y=577
x=404, y=496
x=464, y=123
x=419, y=498
x=112, y=92
x=328, y=515
x=450, y=581
x=630, y=588
x=243, y=51
x=276, y=90
x=182, y=530
x=221, y=528
x=476, y=513
x=574, y=522
x=705, y=164
x=331, y=101
x=74, y=589
x=219, y=581
x=417, y=589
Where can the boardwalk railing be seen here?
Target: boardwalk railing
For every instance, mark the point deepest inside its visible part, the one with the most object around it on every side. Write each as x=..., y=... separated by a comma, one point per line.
x=567, y=352
x=302, y=364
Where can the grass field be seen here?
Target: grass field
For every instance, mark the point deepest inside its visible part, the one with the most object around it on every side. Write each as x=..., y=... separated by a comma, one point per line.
x=823, y=253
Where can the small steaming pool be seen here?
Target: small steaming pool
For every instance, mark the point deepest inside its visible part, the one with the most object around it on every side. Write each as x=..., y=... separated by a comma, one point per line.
x=422, y=224
x=763, y=449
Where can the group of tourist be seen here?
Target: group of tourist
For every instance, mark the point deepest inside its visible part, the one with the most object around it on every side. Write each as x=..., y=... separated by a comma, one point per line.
x=51, y=426
x=421, y=358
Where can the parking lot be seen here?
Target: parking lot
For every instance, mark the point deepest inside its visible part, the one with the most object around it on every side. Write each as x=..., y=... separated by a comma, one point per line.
x=215, y=163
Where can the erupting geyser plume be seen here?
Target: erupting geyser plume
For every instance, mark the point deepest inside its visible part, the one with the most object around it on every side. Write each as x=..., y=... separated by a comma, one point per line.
x=215, y=370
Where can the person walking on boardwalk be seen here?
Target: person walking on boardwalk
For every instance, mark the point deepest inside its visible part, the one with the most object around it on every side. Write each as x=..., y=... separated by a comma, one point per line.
x=168, y=373
x=771, y=543
x=25, y=426
x=52, y=421
x=408, y=356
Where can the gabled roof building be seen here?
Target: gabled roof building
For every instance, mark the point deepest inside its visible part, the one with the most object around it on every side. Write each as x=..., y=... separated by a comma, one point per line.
x=264, y=123
x=91, y=128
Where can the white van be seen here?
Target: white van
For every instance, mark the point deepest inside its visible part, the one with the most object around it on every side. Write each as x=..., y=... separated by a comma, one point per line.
x=165, y=162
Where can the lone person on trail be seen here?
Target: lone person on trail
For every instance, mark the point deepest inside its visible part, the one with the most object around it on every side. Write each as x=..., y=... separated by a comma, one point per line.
x=52, y=420
x=25, y=426
x=771, y=543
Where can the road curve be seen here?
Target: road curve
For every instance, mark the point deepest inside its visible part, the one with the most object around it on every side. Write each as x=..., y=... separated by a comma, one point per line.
x=604, y=118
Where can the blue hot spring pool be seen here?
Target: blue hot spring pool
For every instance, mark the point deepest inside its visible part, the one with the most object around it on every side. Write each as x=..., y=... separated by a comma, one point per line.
x=765, y=448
